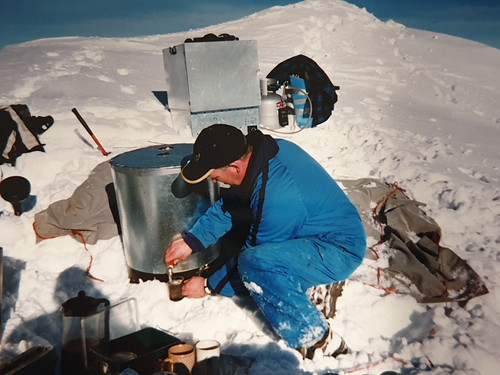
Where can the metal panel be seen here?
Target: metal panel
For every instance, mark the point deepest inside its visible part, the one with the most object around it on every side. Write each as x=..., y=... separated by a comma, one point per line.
x=215, y=82
x=174, y=61
x=240, y=118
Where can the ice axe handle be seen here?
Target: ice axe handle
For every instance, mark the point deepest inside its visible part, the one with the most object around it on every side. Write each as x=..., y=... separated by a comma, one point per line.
x=87, y=128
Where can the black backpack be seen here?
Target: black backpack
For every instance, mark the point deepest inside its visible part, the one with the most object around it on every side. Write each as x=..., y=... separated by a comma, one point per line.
x=321, y=91
x=19, y=132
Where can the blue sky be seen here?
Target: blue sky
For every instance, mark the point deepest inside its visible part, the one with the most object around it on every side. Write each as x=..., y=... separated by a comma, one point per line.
x=478, y=20
x=23, y=20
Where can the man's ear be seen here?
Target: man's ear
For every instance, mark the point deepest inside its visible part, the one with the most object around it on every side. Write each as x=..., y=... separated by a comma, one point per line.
x=237, y=165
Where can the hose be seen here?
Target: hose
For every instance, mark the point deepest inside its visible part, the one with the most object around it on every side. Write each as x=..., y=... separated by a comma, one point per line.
x=304, y=92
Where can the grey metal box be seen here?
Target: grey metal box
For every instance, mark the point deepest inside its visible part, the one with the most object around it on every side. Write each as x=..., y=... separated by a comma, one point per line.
x=213, y=82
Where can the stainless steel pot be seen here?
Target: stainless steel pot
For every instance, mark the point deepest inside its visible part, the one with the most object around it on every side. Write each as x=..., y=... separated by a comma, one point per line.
x=151, y=215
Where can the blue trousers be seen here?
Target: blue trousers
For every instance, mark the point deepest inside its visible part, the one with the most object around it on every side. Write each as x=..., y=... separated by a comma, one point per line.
x=277, y=275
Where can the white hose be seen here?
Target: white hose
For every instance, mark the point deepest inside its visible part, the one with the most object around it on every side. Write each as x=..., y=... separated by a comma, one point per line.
x=304, y=92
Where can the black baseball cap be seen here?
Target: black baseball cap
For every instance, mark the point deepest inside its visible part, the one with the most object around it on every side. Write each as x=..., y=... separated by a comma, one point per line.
x=215, y=147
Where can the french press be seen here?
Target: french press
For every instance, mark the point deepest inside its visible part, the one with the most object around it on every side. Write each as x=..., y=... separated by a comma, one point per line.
x=83, y=329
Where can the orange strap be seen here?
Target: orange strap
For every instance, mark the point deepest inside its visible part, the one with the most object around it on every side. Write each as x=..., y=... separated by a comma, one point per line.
x=376, y=211
x=80, y=234
x=39, y=236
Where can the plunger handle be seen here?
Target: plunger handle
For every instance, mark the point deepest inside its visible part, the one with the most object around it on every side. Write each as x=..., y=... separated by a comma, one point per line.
x=17, y=206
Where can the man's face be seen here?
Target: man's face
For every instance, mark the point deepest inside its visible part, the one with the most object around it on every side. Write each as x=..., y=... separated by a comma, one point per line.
x=227, y=175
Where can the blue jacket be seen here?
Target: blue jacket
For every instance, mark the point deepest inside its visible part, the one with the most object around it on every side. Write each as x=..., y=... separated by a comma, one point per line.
x=288, y=195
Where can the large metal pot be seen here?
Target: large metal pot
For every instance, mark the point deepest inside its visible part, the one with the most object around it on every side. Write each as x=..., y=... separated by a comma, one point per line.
x=151, y=215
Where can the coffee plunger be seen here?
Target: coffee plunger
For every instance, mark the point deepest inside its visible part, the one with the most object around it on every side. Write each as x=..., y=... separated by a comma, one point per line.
x=83, y=330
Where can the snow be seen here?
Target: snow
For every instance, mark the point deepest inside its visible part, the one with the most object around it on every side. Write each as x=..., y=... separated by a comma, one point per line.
x=415, y=107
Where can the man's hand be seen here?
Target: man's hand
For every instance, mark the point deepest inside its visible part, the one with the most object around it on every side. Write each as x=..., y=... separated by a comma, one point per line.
x=194, y=287
x=177, y=251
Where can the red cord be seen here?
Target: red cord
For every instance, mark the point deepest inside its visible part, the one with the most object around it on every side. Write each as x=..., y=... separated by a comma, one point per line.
x=80, y=234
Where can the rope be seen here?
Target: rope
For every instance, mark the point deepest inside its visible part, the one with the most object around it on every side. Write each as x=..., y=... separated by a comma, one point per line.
x=87, y=272
x=79, y=234
x=383, y=201
x=389, y=290
x=40, y=236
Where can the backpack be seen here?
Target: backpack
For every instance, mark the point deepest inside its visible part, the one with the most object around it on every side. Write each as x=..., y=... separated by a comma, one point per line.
x=19, y=132
x=321, y=91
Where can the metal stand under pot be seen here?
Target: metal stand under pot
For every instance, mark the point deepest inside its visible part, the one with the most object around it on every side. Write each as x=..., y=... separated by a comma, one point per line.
x=151, y=215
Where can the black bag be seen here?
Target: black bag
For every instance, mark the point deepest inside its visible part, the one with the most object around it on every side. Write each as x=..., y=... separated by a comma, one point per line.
x=19, y=132
x=321, y=90
x=212, y=38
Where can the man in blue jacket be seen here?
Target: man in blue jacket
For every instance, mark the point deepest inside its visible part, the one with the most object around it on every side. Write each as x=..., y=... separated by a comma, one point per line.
x=299, y=230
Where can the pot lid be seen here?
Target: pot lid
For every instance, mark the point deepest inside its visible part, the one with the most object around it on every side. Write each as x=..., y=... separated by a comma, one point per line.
x=15, y=188
x=161, y=156
x=82, y=305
